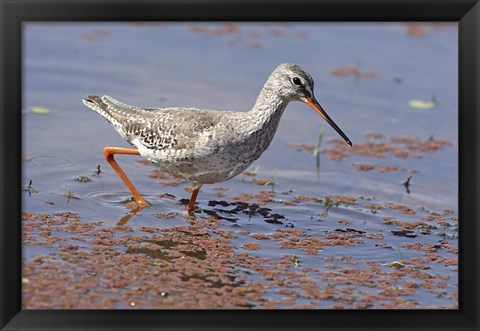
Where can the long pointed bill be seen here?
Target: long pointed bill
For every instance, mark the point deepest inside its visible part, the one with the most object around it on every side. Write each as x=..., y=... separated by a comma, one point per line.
x=316, y=106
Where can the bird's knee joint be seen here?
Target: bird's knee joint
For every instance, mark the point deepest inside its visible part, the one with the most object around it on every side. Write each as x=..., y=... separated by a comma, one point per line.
x=107, y=154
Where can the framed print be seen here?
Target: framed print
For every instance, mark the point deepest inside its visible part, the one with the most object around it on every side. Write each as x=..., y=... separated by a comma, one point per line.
x=239, y=165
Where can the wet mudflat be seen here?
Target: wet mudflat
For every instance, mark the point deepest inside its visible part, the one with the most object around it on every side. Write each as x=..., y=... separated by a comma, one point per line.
x=312, y=224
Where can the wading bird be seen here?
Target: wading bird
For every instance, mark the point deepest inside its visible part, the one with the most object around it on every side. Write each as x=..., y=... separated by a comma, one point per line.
x=206, y=146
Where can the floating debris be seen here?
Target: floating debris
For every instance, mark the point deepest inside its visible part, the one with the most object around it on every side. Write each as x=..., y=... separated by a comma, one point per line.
x=255, y=44
x=418, y=30
x=369, y=167
x=340, y=198
x=40, y=110
x=261, y=182
x=412, y=146
x=276, y=32
x=301, y=35
x=328, y=205
x=383, y=245
x=296, y=261
x=158, y=174
x=363, y=166
x=401, y=208
x=201, y=266
x=404, y=233
x=251, y=246
x=407, y=184
x=171, y=183
x=95, y=34
x=97, y=171
x=242, y=197
x=273, y=221
x=144, y=162
x=70, y=196
x=300, y=147
x=166, y=215
x=396, y=264
x=166, y=196
x=421, y=104
x=30, y=189
x=373, y=135
x=252, y=172
x=353, y=71
x=350, y=230
x=83, y=179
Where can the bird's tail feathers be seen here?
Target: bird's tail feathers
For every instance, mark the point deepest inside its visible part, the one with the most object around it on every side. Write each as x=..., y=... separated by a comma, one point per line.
x=108, y=107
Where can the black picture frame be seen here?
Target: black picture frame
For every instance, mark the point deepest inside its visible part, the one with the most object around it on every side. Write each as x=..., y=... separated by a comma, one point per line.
x=14, y=12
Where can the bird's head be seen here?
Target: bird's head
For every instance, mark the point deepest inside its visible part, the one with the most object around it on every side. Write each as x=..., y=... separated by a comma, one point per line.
x=295, y=84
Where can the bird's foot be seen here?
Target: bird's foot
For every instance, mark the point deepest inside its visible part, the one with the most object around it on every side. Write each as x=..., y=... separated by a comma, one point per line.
x=142, y=203
x=137, y=204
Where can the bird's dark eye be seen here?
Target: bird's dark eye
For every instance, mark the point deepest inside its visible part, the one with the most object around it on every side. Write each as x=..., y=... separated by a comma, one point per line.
x=296, y=81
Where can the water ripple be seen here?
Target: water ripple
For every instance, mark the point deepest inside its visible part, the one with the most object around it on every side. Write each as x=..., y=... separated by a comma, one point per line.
x=52, y=161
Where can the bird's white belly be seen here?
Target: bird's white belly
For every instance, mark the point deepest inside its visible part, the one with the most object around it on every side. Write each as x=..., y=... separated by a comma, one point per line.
x=205, y=166
x=214, y=158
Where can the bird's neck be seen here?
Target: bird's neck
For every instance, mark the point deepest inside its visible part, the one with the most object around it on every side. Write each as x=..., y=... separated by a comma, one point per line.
x=268, y=108
x=256, y=128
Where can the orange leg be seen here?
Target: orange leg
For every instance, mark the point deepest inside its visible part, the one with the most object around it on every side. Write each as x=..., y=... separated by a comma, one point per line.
x=109, y=152
x=191, y=204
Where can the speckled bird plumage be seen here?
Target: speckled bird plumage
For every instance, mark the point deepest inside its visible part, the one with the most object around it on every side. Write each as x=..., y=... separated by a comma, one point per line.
x=206, y=146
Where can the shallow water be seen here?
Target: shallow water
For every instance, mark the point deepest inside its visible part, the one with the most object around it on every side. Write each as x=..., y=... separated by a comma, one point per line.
x=224, y=67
